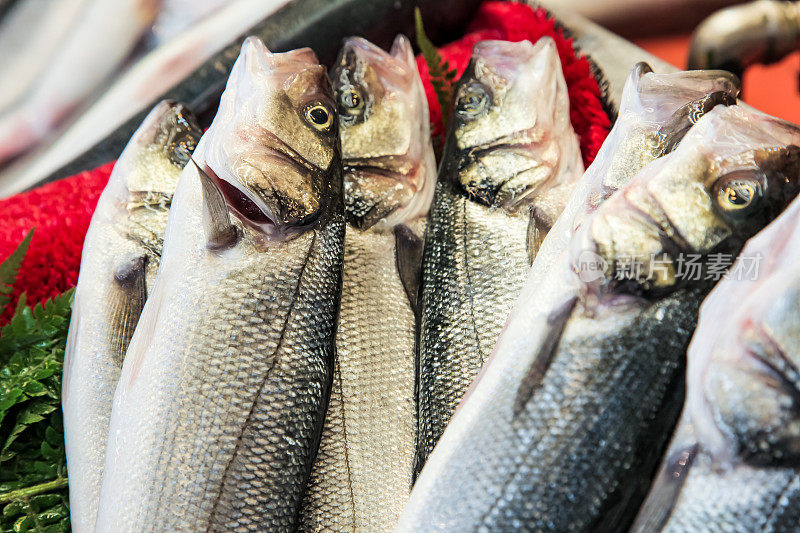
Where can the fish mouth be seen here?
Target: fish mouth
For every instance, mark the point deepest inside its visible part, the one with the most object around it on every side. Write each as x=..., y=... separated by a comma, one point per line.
x=381, y=191
x=497, y=191
x=255, y=213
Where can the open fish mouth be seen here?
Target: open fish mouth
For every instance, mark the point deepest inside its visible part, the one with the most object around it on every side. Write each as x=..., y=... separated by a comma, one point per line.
x=254, y=213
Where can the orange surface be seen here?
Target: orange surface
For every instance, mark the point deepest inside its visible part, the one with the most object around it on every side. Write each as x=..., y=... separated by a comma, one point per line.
x=770, y=88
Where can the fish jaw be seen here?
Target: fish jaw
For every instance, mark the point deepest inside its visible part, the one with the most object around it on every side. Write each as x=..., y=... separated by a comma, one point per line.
x=511, y=138
x=388, y=158
x=279, y=167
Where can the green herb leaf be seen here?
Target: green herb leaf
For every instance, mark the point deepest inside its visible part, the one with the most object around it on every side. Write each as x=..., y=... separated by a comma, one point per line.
x=442, y=75
x=33, y=471
x=9, y=270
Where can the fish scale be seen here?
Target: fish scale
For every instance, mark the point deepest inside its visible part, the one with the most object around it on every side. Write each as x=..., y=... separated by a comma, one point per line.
x=375, y=371
x=470, y=248
x=231, y=386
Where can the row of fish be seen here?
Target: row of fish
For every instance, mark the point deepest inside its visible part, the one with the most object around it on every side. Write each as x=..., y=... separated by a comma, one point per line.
x=59, y=55
x=293, y=358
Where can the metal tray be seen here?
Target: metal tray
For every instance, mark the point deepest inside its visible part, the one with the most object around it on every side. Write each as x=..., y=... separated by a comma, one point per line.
x=322, y=24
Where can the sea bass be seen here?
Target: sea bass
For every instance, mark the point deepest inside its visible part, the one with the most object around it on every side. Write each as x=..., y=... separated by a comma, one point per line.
x=509, y=164
x=362, y=477
x=118, y=266
x=733, y=464
x=222, y=395
x=564, y=428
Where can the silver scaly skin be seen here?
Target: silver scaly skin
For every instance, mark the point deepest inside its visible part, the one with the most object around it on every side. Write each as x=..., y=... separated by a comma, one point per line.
x=222, y=395
x=734, y=464
x=362, y=477
x=509, y=165
x=118, y=265
x=564, y=427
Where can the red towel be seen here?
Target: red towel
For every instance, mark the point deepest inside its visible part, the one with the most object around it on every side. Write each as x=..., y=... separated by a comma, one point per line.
x=61, y=211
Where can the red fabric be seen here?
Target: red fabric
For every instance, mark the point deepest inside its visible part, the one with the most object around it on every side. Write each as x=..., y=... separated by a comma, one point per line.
x=61, y=211
x=517, y=22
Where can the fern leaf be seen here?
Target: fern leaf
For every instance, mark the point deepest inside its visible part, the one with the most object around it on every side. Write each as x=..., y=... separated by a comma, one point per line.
x=10, y=268
x=442, y=76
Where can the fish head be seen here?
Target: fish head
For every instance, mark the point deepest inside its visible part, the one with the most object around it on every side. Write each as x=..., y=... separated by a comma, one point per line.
x=278, y=164
x=733, y=173
x=743, y=379
x=389, y=166
x=157, y=152
x=510, y=131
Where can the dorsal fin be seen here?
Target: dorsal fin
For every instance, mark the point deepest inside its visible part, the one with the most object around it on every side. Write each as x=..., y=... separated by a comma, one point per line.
x=220, y=230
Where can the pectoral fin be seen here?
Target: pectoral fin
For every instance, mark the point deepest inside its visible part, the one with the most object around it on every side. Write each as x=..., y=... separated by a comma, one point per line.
x=408, y=254
x=665, y=490
x=556, y=323
x=220, y=230
x=126, y=301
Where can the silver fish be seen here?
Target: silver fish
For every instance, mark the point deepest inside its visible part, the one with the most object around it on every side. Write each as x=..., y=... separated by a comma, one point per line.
x=509, y=164
x=362, y=477
x=564, y=427
x=733, y=464
x=222, y=395
x=152, y=75
x=118, y=266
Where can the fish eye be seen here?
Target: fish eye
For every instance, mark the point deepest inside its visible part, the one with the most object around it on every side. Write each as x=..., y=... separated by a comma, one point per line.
x=319, y=117
x=738, y=193
x=351, y=102
x=472, y=100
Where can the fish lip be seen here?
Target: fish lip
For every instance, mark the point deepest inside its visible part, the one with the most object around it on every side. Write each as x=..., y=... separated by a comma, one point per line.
x=279, y=150
x=376, y=165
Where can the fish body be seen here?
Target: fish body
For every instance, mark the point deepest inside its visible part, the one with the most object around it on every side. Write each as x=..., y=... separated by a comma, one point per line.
x=120, y=258
x=222, y=395
x=565, y=426
x=733, y=462
x=137, y=87
x=509, y=164
x=362, y=476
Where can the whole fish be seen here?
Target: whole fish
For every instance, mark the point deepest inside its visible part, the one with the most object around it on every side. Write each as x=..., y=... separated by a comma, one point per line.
x=101, y=37
x=222, y=395
x=362, y=477
x=563, y=430
x=118, y=265
x=733, y=464
x=134, y=89
x=509, y=164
